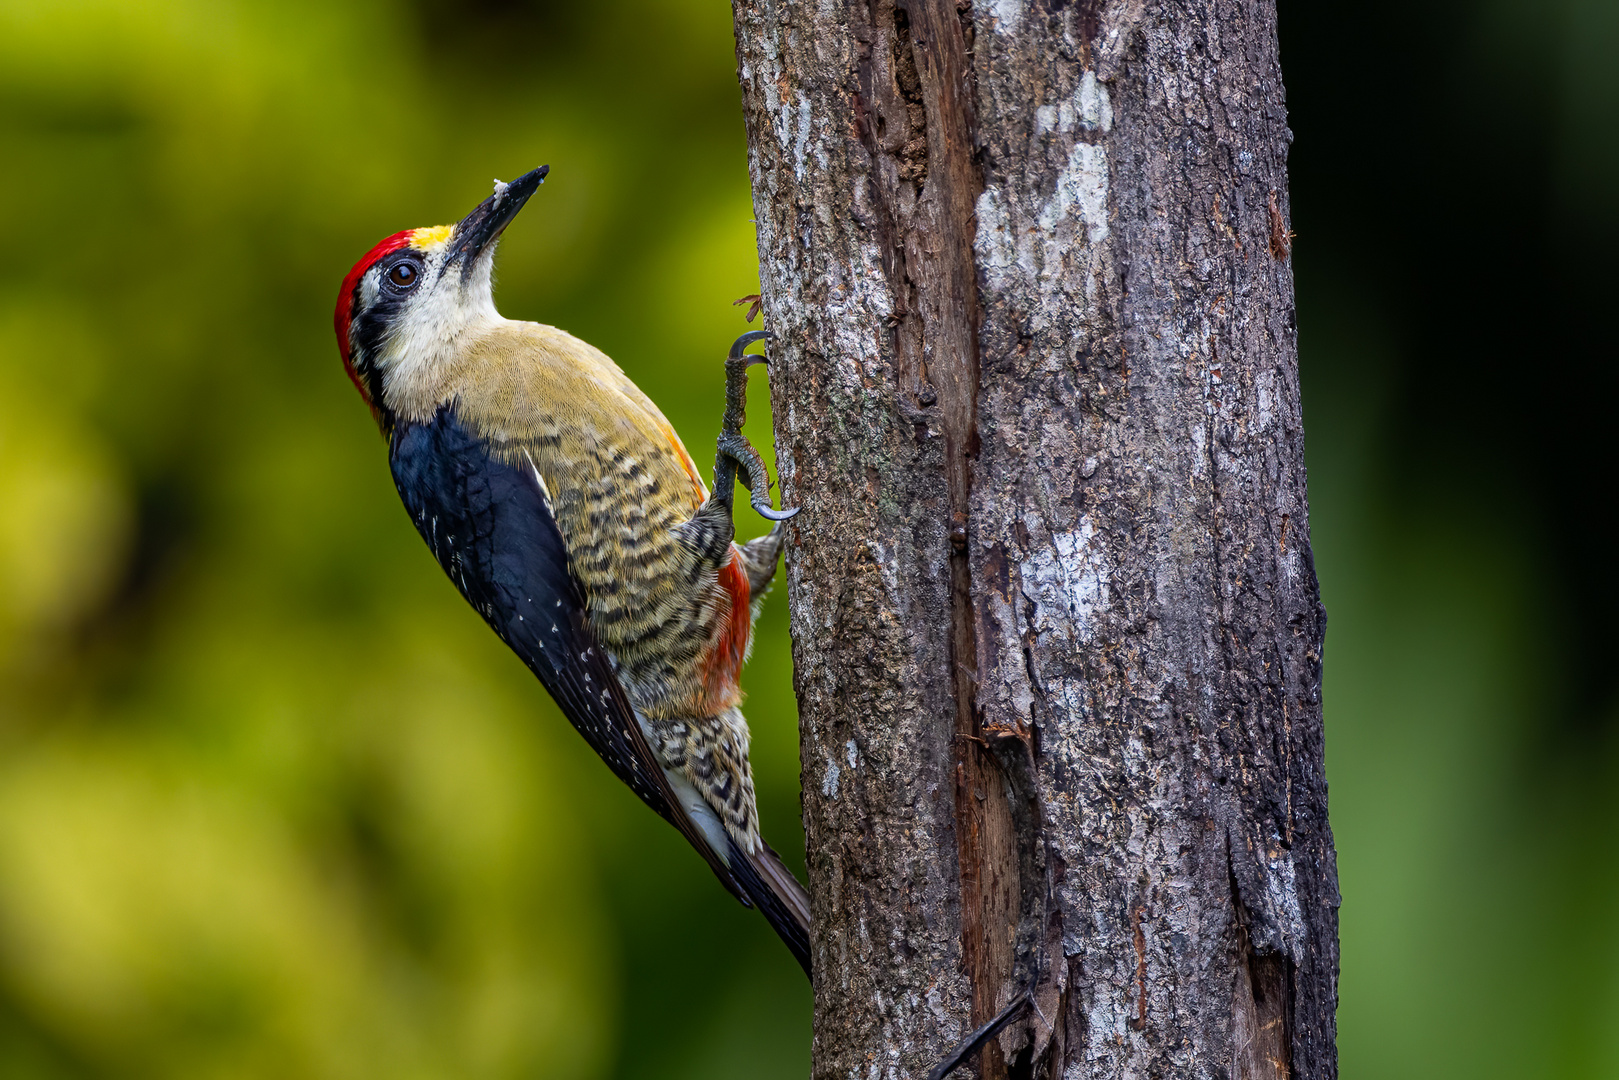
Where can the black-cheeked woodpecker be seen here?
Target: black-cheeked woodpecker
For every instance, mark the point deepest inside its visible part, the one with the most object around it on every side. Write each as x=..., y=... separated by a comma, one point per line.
x=562, y=504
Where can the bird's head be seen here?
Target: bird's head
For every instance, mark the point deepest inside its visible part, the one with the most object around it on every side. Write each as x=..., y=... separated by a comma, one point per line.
x=407, y=302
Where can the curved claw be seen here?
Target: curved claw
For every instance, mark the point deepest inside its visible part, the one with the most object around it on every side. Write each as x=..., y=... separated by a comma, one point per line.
x=743, y=342
x=775, y=515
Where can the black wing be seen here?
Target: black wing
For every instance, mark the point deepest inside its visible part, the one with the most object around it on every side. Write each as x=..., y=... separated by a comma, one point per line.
x=489, y=526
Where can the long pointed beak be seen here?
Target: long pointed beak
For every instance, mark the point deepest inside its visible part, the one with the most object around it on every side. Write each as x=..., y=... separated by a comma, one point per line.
x=484, y=225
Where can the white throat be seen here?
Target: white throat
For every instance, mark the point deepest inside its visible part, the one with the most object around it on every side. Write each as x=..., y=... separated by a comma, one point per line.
x=424, y=343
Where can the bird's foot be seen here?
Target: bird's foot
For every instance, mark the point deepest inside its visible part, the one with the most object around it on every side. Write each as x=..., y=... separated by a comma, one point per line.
x=734, y=450
x=745, y=465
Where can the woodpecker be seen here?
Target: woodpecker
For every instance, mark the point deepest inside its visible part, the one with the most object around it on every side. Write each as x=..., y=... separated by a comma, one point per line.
x=564, y=507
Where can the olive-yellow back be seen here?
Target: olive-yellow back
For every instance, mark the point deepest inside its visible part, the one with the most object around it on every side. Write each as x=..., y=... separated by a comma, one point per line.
x=620, y=484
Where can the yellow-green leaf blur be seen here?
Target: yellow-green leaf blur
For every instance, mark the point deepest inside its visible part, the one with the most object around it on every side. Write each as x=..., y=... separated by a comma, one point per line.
x=273, y=801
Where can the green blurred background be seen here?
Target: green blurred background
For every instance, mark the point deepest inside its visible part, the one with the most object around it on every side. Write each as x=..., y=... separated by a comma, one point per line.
x=273, y=802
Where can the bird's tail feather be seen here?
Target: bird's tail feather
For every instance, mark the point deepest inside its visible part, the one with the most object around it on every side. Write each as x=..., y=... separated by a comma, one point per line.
x=778, y=896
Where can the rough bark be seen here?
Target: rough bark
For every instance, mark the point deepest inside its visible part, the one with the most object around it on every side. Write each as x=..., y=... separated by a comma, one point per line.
x=1055, y=618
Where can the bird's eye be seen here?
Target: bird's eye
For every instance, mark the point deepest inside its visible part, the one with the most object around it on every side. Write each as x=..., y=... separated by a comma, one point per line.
x=403, y=275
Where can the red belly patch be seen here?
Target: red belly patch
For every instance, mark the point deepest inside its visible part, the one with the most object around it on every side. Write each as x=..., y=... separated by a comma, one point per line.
x=722, y=667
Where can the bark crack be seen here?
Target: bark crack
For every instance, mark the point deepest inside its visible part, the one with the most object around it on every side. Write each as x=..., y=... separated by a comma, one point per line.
x=934, y=80
x=1261, y=998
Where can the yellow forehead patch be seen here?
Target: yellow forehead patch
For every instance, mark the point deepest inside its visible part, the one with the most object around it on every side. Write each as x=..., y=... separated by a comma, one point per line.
x=430, y=237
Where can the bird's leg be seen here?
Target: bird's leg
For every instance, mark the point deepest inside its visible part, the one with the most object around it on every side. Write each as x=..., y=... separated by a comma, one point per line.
x=734, y=450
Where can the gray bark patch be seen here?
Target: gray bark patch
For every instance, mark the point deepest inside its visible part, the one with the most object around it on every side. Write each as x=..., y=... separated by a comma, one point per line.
x=1056, y=627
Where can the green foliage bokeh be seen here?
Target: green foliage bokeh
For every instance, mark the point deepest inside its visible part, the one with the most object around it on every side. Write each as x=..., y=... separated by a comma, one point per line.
x=274, y=803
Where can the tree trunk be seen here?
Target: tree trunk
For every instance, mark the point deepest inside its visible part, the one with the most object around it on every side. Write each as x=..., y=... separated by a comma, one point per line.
x=1055, y=617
